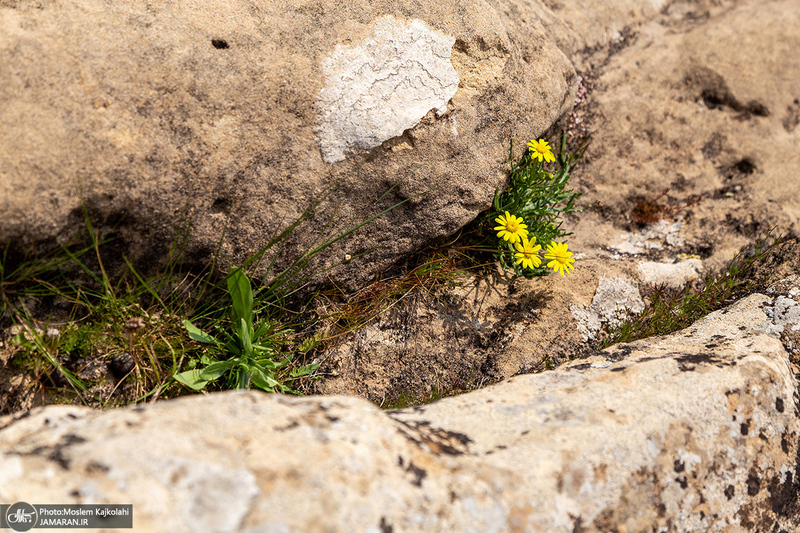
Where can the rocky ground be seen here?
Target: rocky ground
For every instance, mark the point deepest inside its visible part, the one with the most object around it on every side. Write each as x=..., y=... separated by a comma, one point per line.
x=692, y=109
x=693, y=155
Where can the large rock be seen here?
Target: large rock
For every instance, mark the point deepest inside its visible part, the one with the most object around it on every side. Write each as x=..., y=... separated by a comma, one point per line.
x=695, y=121
x=693, y=432
x=158, y=113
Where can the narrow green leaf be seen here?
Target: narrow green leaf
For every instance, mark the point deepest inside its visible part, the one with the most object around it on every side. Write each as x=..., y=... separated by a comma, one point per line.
x=244, y=337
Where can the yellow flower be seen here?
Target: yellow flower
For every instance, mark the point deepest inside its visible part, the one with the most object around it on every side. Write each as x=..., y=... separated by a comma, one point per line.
x=528, y=255
x=560, y=259
x=511, y=228
x=541, y=150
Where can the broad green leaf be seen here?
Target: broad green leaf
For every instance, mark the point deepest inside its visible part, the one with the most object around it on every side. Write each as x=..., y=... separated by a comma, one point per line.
x=197, y=334
x=215, y=370
x=242, y=297
x=191, y=378
x=262, y=380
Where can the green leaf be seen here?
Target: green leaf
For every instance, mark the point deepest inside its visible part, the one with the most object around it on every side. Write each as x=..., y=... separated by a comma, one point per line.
x=216, y=370
x=242, y=295
x=191, y=378
x=197, y=334
x=303, y=370
x=262, y=380
x=244, y=337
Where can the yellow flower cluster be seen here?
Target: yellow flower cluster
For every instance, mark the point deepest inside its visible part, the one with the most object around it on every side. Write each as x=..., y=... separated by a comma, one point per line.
x=511, y=228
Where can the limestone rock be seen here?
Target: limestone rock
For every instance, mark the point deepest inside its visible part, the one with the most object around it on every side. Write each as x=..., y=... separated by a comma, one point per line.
x=614, y=300
x=154, y=116
x=674, y=275
x=697, y=431
x=694, y=113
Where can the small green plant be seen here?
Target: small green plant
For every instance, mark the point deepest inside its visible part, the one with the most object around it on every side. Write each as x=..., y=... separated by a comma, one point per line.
x=670, y=310
x=248, y=350
x=528, y=213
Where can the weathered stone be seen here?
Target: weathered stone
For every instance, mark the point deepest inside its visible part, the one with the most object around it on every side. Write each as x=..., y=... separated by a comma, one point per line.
x=693, y=113
x=238, y=113
x=697, y=431
x=614, y=300
x=673, y=275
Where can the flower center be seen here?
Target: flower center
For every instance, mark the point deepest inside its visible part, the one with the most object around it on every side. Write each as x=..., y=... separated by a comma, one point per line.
x=512, y=226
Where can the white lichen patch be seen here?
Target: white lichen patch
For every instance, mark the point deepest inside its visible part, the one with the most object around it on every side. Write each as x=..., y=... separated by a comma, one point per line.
x=385, y=84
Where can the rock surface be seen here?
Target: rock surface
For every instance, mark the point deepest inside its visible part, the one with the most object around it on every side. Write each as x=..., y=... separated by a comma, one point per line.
x=253, y=109
x=693, y=155
x=701, y=105
x=693, y=432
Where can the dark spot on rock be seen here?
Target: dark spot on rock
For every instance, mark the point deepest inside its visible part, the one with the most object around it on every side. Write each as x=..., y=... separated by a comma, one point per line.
x=72, y=416
x=688, y=362
x=56, y=453
x=682, y=482
x=784, y=444
x=619, y=354
x=762, y=436
x=753, y=484
x=729, y=491
x=418, y=473
x=713, y=146
x=745, y=428
x=291, y=425
x=619, y=368
x=711, y=345
x=221, y=205
x=755, y=107
x=385, y=526
x=582, y=366
x=525, y=432
x=219, y=44
x=332, y=419
x=437, y=440
x=94, y=467
x=783, y=492
x=745, y=166
x=779, y=404
x=678, y=466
